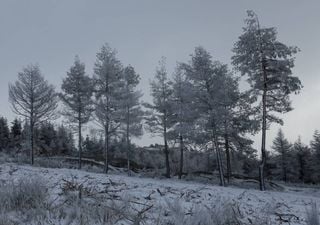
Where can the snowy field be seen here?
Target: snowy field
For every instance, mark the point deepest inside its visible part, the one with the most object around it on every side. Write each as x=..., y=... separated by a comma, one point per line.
x=79, y=197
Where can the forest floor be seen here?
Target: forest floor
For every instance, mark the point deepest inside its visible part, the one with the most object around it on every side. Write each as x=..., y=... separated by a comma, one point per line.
x=137, y=200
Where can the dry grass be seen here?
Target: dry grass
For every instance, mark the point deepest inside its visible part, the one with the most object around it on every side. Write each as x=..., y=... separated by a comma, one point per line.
x=313, y=217
x=28, y=201
x=223, y=213
x=22, y=195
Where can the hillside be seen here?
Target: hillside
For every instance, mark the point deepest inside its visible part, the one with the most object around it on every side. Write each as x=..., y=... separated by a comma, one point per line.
x=79, y=197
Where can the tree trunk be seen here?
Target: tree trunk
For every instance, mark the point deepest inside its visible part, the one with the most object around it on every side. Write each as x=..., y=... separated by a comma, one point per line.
x=32, y=139
x=264, y=114
x=284, y=169
x=264, y=130
x=219, y=161
x=80, y=145
x=166, y=152
x=181, y=157
x=208, y=161
x=106, y=148
x=301, y=169
x=32, y=122
x=128, y=144
x=128, y=157
x=228, y=157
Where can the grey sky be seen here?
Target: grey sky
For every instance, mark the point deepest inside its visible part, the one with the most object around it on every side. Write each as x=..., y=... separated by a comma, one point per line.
x=51, y=33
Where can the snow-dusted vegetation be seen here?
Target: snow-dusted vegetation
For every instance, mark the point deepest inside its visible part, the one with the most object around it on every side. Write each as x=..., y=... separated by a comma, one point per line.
x=35, y=195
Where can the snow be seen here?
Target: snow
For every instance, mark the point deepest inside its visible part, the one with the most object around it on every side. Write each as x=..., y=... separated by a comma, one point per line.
x=290, y=204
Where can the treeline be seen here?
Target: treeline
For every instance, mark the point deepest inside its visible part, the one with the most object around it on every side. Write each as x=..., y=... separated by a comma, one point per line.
x=290, y=162
x=50, y=139
x=294, y=162
x=200, y=106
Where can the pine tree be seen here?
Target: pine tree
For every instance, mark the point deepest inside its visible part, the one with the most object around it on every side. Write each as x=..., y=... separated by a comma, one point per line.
x=241, y=123
x=88, y=144
x=93, y=146
x=303, y=159
x=283, y=148
x=33, y=98
x=16, y=128
x=108, y=80
x=237, y=115
x=65, y=141
x=315, y=143
x=205, y=76
x=132, y=112
x=47, y=138
x=229, y=97
x=16, y=134
x=4, y=134
x=268, y=64
x=76, y=95
x=25, y=135
x=247, y=157
x=182, y=107
x=315, y=148
x=160, y=115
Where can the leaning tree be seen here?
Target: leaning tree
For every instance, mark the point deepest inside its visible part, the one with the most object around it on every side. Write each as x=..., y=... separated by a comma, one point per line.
x=33, y=98
x=268, y=64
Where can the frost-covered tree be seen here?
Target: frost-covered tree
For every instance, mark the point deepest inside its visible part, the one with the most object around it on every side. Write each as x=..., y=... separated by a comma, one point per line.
x=268, y=65
x=231, y=106
x=205, y=76
x=132, y=111
x=33, y=98
x=236, y=114
x=108, y=81
x=160, y=117
x=240, y=120
x=283, y=148
x=229, y=95
x=76, y=95
x=182, y=105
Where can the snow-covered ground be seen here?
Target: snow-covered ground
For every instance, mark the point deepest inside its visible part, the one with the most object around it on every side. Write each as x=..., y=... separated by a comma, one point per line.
x=164, y=197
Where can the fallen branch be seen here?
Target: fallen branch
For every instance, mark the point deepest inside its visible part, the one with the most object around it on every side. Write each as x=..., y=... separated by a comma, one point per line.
x=286, y=218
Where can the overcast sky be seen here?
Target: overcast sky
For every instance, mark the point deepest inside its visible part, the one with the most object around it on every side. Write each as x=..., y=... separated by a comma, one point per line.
x=51, y=33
